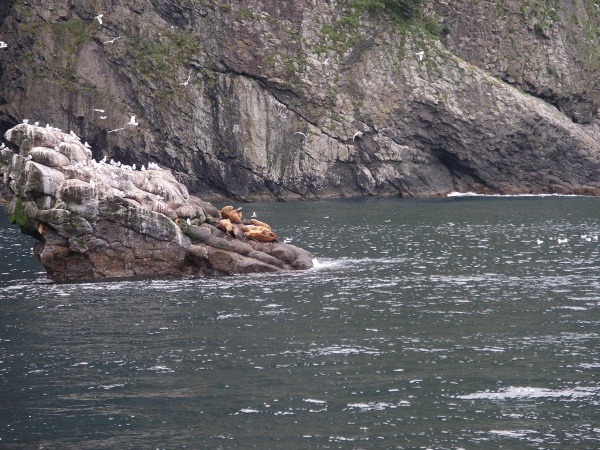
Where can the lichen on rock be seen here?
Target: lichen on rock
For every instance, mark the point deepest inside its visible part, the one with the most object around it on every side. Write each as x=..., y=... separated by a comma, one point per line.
x=105, y=219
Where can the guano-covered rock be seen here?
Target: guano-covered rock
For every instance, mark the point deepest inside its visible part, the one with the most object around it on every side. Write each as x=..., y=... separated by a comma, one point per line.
x=107, y=219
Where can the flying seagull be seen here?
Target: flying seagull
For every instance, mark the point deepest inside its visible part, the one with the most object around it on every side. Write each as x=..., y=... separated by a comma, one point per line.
x=99, y=110
x=357, y=134
x=132, y=121
x=102, y=117
x=112, y=40
x=300, y=132
x=117, y=129
x=99, y=18
x=3, y=44
x=185, y=83
x=420, y=55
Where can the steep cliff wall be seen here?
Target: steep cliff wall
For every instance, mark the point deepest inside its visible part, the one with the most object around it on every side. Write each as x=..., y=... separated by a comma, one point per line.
x=262, y=100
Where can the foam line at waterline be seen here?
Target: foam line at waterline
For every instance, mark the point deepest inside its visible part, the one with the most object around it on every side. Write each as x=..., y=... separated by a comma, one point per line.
x=475, y=194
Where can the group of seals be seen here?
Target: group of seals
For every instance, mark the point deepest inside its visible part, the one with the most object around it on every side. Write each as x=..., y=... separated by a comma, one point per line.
x=232, y=223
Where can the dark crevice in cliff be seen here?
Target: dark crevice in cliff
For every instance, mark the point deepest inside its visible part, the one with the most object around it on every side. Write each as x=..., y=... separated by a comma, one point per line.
x=5, y=9
x=456, y=167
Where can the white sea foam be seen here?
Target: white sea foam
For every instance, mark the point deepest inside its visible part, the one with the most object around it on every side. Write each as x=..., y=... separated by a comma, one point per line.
x=327, y=264
x=312, y=400
x=377, y=406
x=513, y=433
x=530, y=392
x=474, y=194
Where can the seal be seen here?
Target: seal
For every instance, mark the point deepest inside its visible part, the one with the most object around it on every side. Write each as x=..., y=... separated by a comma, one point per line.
x=234, y=215
x=259, y=233
x=226, y=226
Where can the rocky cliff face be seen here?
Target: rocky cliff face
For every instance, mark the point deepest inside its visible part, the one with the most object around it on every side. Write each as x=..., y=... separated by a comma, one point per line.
x=261, y=100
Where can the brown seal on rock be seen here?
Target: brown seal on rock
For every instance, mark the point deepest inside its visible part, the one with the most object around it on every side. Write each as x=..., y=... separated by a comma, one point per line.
x=234, y=215
x=226, y=226
x=259, y=233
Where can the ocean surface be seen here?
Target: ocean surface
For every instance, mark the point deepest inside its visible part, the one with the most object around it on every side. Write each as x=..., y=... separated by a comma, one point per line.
x=458, y=323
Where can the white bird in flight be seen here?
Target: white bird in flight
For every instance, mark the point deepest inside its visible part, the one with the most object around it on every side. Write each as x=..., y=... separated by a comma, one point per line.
x=357, y=134
x=99, y=110
x=99, y=18
x=185, y=83
x=300, y=132
x=111, y=41
x=3, y=44
x=117, y=129
x=132, y=121
x=102, y=117
x=420, y=55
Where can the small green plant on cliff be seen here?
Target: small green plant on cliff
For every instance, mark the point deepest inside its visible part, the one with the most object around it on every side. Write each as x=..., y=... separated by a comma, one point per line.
x=400, y=10
x=18, y=216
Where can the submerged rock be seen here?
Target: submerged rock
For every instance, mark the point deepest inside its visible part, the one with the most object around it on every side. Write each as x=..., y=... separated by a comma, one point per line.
x=106, y=219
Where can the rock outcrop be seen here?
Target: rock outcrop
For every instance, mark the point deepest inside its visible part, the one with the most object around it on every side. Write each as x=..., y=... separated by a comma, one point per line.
x=106, y=219
x=261, y=100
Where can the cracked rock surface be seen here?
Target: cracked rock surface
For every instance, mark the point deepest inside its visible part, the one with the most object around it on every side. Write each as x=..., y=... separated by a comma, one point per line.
x=106, y=219
x=256, y=100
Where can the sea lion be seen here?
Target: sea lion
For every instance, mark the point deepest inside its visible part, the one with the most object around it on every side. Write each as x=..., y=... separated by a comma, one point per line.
x=226, y=226
x=254, y=228
x=261, y=235
x=260, y=224
x=234, y=215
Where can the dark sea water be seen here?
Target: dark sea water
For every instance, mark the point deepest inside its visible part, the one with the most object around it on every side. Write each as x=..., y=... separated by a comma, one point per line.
x=438, y=324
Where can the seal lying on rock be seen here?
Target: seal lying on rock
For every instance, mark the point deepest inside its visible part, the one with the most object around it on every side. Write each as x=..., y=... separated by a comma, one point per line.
x=259, y=233
x=234, y=215
x=93, y=219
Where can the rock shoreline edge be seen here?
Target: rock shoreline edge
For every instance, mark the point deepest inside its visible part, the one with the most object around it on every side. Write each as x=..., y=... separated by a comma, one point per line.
x=95, y=220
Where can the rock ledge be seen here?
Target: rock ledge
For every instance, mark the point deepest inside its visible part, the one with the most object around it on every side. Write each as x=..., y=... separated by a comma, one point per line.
x=105, y=219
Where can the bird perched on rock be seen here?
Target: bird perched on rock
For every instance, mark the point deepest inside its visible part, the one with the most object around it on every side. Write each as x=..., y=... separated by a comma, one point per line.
x=234, y=215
